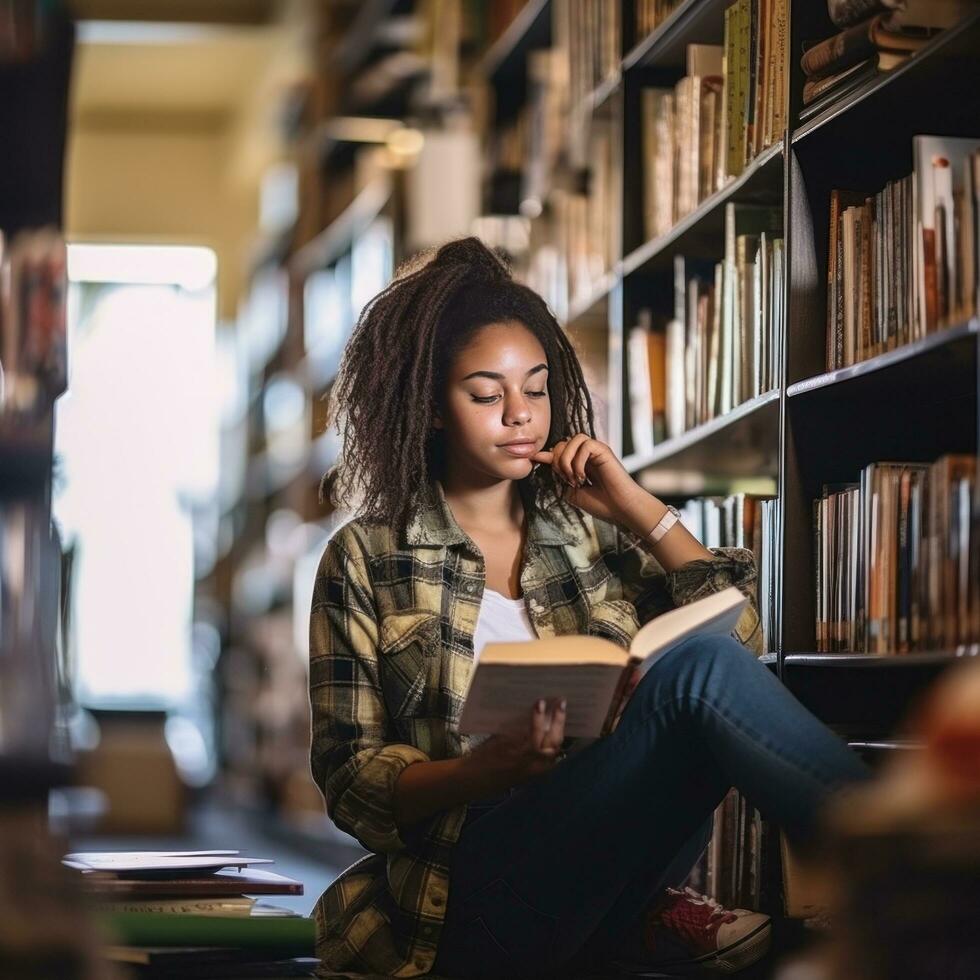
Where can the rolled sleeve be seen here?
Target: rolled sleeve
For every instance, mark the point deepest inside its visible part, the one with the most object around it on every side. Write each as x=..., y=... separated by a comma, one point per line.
x=653, y=591
x=704, y=577
x=354, y=755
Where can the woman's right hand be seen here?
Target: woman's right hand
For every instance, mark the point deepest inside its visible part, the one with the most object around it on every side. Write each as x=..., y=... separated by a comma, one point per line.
x=503, y=761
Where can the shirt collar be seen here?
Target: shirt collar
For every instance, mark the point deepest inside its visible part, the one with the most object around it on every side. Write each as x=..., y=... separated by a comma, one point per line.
x=434, y=524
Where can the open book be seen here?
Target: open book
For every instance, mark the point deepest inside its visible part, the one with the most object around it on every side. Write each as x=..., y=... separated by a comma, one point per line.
x=590, y=672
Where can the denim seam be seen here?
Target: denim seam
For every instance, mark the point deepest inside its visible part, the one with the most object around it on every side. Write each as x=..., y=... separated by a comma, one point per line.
x=745, y=733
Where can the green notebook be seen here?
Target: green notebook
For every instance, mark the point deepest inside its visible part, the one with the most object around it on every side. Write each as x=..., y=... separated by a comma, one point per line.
x=288, y=936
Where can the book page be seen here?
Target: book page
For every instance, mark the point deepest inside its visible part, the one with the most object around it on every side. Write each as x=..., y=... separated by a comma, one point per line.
x=714, y=615
x=501, y=695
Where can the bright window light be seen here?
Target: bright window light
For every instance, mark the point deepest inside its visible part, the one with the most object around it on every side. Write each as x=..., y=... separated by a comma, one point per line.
x=137, y=464
x=186, y=266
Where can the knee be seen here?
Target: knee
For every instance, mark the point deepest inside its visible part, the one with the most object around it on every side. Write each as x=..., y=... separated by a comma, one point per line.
x=698, y=662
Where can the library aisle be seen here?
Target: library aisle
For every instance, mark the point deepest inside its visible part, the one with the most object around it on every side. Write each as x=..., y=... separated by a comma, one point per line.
x=756, y=223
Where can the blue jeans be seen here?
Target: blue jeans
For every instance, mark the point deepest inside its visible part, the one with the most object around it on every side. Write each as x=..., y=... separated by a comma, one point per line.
x=556, y=872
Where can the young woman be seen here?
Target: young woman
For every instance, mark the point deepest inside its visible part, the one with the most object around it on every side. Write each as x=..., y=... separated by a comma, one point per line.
x=487, y=510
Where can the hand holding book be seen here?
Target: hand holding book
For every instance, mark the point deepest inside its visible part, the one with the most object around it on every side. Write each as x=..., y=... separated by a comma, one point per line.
x=512, y=757
x=593, y=674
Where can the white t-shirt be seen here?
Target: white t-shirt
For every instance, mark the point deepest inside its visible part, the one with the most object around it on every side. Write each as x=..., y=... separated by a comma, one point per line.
x=501, y=620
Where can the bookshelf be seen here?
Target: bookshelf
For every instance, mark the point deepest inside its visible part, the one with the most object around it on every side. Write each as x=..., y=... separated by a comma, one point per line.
x=33, y=114
x=915, y=402
x=812, y=426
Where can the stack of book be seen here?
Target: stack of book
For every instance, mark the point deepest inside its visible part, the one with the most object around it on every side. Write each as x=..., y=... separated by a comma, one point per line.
x=194, y=913
x=905, y=261
x=898, y=559
x=729, y=107
x=722, y=346
x=877, y=35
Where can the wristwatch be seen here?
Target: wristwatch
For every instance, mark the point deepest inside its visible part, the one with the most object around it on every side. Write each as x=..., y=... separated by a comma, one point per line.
x=664, y=524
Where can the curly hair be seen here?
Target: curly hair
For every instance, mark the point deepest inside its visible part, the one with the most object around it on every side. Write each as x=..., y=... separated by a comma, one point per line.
x=394, y=369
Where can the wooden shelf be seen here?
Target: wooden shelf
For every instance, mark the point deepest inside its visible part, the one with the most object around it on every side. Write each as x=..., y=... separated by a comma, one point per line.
x=599, y=95
x=583, y=304
x=742, y=443
x=319, y=252
x=693, y=22
x=876, y=661
x=923, y=87
x=917, y=356
x=700, y=234
x=530, y=29
x=887, y=745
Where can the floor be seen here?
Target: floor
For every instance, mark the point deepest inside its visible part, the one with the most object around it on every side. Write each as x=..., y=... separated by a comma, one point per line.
x=213, y=825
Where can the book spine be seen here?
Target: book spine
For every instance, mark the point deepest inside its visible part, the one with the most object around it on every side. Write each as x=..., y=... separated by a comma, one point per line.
x=838, y=52
x=731, y=91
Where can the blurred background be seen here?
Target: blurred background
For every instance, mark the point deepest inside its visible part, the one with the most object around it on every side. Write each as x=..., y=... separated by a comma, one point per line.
x=198, y=198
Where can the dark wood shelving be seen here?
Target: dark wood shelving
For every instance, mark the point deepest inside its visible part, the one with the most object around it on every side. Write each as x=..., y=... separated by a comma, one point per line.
x=585, y=303
x=879, y=661
x=600, y=95
x=530, y=29
x=732, y=445
x=694, y=22
x=924, y=356
x=887, y=745
x=700, y=234
x=319, y=252
x=927, y=88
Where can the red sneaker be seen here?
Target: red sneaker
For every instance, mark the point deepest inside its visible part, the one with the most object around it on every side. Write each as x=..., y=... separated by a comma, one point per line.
x=687, y=932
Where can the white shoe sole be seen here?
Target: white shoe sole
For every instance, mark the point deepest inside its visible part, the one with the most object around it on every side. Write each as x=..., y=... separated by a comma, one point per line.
x=748, y=950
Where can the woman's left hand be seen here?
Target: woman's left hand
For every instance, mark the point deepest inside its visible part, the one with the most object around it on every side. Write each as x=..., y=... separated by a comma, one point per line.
x=598, y=481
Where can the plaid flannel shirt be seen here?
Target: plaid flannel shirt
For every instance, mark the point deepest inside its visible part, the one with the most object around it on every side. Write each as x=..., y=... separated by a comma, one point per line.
x=391, y=650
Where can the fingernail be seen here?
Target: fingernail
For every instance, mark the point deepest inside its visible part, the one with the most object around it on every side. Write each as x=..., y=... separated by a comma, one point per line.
x=563, y=704
x=539, y=707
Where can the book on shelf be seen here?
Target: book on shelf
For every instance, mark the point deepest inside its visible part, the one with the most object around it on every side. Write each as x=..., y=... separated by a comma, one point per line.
x=730, y=869
x=646, y=360
x=592, y=33
x=729, y=107
x=742, y=520
x=650, y=14
x=589, y=671
x=876, y=36
x=894, y=553
x=724, y=342
x=903, y=262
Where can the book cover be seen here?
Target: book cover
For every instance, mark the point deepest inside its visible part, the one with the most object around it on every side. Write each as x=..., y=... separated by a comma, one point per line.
x=590, y=672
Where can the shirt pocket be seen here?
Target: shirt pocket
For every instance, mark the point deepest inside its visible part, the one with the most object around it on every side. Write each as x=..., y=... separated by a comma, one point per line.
x=408, y=651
